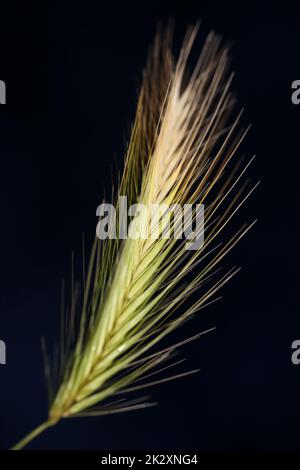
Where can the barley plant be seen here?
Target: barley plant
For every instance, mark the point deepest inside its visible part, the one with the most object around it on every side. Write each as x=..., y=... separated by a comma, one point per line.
x=183, y=149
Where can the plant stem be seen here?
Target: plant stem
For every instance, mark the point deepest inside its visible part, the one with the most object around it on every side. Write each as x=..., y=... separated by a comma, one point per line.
x=32, y=435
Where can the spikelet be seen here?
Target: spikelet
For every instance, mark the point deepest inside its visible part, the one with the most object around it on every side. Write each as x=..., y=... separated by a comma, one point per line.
x=136, y=291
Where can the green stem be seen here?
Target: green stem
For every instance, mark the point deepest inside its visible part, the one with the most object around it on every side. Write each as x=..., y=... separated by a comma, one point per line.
x=32, y=435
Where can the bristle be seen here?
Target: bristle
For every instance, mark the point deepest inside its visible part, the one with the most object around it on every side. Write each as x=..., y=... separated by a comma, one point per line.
x=181, y=145
x=183, y=150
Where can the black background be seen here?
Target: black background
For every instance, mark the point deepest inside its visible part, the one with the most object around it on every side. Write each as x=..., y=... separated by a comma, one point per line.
x=72, y=71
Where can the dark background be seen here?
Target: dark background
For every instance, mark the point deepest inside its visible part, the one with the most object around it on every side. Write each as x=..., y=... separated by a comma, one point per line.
x=72, y=72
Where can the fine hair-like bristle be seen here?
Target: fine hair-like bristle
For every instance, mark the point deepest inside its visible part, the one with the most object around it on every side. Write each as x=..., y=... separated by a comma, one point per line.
x=184, y=149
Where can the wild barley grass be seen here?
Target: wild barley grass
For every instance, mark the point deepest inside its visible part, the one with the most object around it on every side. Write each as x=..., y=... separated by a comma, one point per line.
x=136, y=292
